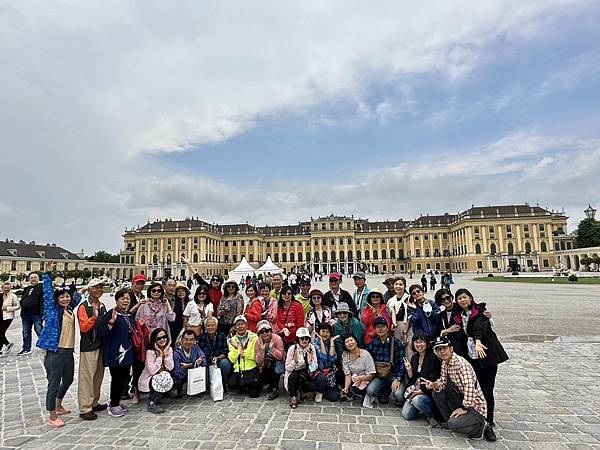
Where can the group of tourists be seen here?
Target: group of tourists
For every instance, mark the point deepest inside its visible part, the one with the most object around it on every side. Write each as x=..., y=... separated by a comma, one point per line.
x=434, y=358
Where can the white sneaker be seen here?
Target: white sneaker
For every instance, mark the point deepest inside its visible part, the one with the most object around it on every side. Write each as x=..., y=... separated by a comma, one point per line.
x=318, y=397
x=116, y=411
x=368, y=401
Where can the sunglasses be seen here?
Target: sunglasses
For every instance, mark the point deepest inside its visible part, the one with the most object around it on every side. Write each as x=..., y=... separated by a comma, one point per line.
x=415, y=291
x=446, y=298
x=376, y=296
x=316, y=297
x=287, y=293
x=214, y=280
x=264, y=331
x=161, y=338
x=304, y=338
x=155, y=290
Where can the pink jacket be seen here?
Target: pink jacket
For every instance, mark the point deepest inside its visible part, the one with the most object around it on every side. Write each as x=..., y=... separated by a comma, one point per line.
x=294, y=361
x=276, y=349
x=152, y=367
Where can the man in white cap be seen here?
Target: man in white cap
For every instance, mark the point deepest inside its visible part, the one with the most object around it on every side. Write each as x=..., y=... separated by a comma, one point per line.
x=91, y=369
x=245, y=376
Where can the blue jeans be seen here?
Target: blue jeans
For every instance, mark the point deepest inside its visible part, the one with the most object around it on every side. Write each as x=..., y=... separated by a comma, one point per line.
x=28, y=322
x=420, y=404
x=382, y=387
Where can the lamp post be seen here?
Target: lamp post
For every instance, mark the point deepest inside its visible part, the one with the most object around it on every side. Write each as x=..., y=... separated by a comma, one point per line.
x=590, y=212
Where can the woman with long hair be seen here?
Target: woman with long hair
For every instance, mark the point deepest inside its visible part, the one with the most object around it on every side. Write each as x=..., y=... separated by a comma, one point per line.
x=484, y=350
x=375, y=308
x=197, y=310
x=159, y=358
x=231, y=306
x=156, y=312
x=317, y=314
x=290, y=316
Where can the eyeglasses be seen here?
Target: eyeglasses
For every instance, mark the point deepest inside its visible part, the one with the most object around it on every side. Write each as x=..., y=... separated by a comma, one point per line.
x=304, y=338
x=316, y=297
x=446, y=298
x=231, y=286
x=161, y=338
x=156, y=290
x=376, y=296
x=264, y=330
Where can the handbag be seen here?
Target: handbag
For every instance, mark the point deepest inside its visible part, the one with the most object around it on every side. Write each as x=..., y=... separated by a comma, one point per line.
x=279, y=367
x=141, y=338
x=248, y=377
x=330, y=376
x=162, y=382
x=196, y=380
x=384, y=369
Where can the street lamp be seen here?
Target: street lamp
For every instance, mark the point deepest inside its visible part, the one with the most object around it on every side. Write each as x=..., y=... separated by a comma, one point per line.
x=590, y=212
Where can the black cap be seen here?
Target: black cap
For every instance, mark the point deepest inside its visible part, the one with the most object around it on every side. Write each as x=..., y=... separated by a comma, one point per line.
x=441, y=341
x=380, y=321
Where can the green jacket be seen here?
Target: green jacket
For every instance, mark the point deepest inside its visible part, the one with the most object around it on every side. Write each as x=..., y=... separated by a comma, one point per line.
x=353, y=328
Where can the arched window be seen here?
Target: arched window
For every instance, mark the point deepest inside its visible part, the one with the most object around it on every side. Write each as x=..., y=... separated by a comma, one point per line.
x=324, y=256
x=284, y=257
x=349, y=255
x=299, y=257
x=307, y=256
x=195, y=258
x=342, y=256
x=333, y=255
x=276, y=257
x=316, y=259
x=383, y=254
x=478, y=248
x=375, y=254
x=143, y=259
x=358, y=255
x=401, y=255
x=155, y=259
x=493, y=249
x=511, y=248
x=527, y=247
x=169, y=258
x=367, y=254
x=543, y=246
x=393, y=254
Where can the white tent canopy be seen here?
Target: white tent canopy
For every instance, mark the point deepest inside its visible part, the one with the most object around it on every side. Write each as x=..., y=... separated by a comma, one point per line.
x=269, y=267
x=242, y=270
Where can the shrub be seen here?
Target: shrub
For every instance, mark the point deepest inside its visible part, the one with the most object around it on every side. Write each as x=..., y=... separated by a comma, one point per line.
x=573, y=277
x=515, y=273
x=490, y=275
x=19, y=292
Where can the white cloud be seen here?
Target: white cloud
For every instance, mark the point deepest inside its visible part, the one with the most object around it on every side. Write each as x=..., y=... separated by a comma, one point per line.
x=91, y=91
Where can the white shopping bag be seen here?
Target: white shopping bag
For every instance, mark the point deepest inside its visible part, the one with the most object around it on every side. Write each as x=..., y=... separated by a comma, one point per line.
x=196, y=381
x=216, y=383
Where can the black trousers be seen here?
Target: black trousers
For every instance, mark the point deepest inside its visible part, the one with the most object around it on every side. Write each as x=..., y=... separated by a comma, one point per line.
x=252, y=389
x=268, y=376
x=487, y=380
x=300, y=381
x=132, y=379
x=4, y=324
x=118, y=382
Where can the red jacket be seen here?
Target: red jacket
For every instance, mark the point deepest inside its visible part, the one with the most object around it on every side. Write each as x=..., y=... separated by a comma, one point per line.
x=368, y=317
x=254, y=314
x=291, y=318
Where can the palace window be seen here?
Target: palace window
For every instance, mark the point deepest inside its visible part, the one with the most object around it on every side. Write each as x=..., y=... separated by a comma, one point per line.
x=543, y=246
x=526, y=230
x=418, y=253
x=492, y=233
x=477, y=248
x=393, y=254
x=383, y=254
x=509, y=231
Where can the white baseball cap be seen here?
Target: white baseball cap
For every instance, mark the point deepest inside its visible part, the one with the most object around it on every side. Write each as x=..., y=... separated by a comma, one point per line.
x=302, y=332
x=95, y=282
x=240, y=317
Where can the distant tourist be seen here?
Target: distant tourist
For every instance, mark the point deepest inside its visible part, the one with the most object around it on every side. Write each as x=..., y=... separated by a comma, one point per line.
x=32, y=307
x=10, y=305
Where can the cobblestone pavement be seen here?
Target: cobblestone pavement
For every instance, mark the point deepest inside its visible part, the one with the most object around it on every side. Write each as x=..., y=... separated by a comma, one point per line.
x=546, y=398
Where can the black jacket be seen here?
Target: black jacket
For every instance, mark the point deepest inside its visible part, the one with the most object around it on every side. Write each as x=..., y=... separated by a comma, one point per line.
x=479, y=327
x=458, y=338
x=345, y=297
x=32, y=301
x=430, y=370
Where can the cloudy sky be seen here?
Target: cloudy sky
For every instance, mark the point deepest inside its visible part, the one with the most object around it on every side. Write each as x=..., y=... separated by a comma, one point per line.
x=113, y=113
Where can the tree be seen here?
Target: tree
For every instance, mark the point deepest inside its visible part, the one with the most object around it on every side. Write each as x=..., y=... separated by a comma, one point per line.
x=86, y=274
x=588, y=233
x=4, y=277
x=585, y=261
x=103, y=256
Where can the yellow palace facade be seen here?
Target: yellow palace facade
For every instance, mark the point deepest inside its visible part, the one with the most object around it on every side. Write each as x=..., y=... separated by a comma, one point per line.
x=489, y=239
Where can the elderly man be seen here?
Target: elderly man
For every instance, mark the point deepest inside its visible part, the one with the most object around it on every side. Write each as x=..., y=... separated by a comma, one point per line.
x=388, y=282
x=277, y=285
x=388, y=351
x=336, y=295
x=32, y=310
x=361, y=292
x=214, y=346
x=91, y=368
x=457, y=394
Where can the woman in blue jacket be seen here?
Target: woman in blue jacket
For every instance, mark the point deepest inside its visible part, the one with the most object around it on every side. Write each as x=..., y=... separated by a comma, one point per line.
x=58, y=339
x=117, y=330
